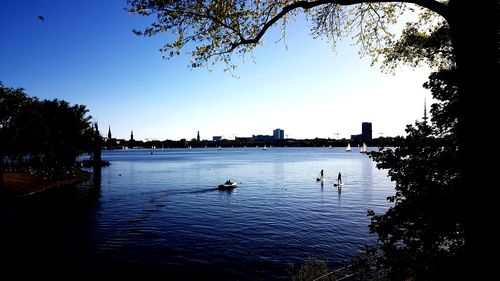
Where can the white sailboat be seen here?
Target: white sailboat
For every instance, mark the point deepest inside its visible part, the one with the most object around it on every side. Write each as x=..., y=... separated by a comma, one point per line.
x=363, y=149
x=348, y=148
x=265, y=147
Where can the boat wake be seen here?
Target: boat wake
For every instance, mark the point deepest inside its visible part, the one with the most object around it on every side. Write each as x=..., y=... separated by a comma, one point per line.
x=205, y=190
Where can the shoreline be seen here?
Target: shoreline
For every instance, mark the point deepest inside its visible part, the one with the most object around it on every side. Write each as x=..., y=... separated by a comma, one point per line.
x=23, y=184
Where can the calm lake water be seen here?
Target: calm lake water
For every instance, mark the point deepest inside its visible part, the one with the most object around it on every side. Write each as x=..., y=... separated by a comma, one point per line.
x=162, y=216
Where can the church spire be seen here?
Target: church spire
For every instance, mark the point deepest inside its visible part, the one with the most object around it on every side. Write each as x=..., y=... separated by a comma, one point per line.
x=109, y=132
x=425, y=112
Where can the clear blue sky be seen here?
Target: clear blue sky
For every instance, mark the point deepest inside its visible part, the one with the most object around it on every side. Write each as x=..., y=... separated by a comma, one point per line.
x=85, y=53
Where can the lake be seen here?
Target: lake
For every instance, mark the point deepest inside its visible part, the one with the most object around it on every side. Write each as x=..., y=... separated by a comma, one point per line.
x=159, y=213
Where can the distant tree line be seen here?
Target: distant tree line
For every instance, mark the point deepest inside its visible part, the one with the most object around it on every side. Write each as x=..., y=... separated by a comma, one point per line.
x=248, y=142
x=41, y=136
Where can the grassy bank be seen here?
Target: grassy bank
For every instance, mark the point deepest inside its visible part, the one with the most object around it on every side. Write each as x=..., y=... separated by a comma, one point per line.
x=21, y=183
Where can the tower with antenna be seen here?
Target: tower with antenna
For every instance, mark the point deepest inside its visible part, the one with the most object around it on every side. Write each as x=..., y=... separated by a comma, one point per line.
x=425, y=113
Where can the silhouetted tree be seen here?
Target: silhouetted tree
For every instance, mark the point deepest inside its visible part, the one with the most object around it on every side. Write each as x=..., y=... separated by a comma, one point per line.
x=11, y=102
x=97, y=143
x=422, y=235
x=44, y=135
x=183, y=142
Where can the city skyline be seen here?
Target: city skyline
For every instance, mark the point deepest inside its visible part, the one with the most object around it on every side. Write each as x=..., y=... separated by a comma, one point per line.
x=277, y=134
x=91, y=57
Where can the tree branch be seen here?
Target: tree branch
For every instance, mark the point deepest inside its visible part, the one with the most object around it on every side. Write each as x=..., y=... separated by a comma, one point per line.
x=300, y=4
x=433, y=5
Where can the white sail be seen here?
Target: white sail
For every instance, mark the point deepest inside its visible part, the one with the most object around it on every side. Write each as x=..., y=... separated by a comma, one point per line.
x=364, y=148
x=348, y=147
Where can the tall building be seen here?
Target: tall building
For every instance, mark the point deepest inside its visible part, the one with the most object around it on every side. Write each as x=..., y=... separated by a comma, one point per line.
x=131, y=135
x=109, y=133
x=198, y=136
x=279, y=134
x=366, y=131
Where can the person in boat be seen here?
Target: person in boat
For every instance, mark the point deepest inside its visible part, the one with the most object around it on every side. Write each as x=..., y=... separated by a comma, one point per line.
x=339, y=179
x=228, y=182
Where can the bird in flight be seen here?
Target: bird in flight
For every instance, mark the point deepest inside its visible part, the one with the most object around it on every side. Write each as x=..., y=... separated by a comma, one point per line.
x=41, y=18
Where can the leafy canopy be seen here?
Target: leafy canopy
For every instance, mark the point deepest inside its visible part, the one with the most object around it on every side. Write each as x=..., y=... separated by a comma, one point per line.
x=211, y=31
x=41, y=134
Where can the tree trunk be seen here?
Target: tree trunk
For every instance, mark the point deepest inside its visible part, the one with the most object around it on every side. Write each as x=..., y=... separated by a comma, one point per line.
x=96, y=147
x=97, y=154
x=474, y=32
x=2, y=169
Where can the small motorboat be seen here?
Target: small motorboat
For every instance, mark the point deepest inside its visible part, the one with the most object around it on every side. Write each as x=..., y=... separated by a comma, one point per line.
x=227, y=185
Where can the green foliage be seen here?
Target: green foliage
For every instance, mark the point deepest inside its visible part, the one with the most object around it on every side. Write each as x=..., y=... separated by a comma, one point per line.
x=211, y=31
x=311, y=270
x=420, y=44
x=213, y=27
x=368, y=24
x=45, y=134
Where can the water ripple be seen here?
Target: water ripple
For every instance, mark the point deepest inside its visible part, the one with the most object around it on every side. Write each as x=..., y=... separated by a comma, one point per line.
x=164, y=213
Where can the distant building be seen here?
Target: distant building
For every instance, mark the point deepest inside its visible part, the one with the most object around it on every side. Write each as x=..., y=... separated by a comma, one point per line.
x=131, y=135
x=198, y=136
x=109, y=133
x=242, y=139
x=262, y=138
x=356, y=137
x=366, y=131
x=279, y=134
x=216, y=138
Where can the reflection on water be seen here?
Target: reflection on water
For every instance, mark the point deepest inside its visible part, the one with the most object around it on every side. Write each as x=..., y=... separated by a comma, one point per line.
x=163, y=214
